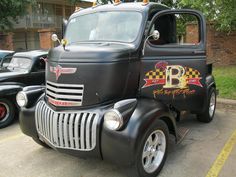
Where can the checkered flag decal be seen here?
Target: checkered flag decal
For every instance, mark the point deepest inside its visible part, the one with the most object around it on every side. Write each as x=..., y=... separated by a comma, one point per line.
x=157, y=74
x=191, y=73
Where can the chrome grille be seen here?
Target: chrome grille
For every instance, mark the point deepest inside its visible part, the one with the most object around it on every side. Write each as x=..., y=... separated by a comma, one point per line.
x=68, y=130
x=69, y=94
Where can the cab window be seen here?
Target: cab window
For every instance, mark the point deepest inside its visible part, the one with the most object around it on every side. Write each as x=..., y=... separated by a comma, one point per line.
x=39, y=65
x=176, y=29
x=6, y=60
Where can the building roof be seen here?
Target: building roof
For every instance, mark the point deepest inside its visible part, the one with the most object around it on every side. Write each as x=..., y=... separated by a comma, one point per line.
x=6, y=51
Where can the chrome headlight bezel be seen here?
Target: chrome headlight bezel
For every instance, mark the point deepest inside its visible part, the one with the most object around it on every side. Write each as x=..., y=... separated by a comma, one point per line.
x=113, y=119
x=21, y=99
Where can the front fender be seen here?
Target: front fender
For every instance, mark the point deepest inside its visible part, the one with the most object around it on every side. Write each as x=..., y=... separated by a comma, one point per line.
x=10, y=90
x=120, y=147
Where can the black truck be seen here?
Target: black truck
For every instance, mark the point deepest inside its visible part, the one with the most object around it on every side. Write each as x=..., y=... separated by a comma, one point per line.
x=24, y=69
x=118, y=82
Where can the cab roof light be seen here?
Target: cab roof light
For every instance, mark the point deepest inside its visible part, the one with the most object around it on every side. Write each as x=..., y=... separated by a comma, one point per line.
x=145, y=2
x=94, y=4
x=77, y=9
x=117, y=2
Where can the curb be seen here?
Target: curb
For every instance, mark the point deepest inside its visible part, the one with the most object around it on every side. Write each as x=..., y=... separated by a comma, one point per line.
x=226, y=104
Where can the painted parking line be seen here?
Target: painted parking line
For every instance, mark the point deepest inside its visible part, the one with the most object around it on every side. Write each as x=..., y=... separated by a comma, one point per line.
x=222, y=157
x=10, y=138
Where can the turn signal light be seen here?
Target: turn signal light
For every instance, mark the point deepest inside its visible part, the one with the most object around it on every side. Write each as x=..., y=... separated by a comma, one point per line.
x=64, y=42
x=94, y=3
x=145, y=2
x=117, y=2
x=77, y=9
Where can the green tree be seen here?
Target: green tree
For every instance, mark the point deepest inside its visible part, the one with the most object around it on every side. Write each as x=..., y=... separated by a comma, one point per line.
x=222, y=13
x=11, y=10
x=74, y=2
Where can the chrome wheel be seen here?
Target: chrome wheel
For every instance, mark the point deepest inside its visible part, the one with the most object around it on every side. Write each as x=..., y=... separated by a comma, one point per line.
x=154, y=151
x=4, y=111
x=212, y=104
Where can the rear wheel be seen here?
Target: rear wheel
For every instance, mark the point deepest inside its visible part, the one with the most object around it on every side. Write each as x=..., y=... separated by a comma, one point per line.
x=7, y=112
x=208, y=115
x=153, y=150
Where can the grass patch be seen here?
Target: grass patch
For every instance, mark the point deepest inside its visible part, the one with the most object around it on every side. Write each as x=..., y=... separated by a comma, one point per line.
x=225, y=77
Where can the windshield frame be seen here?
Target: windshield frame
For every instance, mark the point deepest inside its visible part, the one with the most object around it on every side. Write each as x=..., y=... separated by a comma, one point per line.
x=107, y=41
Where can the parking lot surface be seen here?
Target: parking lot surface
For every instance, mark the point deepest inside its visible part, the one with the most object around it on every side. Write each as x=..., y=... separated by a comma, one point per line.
x=193, y=157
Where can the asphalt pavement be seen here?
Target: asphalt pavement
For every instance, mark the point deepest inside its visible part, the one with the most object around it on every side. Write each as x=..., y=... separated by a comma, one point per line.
x=195, y=156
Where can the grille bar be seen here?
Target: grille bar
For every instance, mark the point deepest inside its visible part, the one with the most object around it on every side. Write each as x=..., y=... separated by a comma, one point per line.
x=67, y=130
x=58, y=96
x=69, y=93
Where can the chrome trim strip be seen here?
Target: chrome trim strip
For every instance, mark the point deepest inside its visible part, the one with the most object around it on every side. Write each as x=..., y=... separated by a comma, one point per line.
x=69, y=94
x=55, y=95
x=82, y=127
x=69, y=90
x=65, y=85
x=76, y=131
x=71, y=121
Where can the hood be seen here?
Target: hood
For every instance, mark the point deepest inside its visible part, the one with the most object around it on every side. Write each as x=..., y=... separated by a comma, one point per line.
x=7, y=74
x=92, y=52
x=91, y=74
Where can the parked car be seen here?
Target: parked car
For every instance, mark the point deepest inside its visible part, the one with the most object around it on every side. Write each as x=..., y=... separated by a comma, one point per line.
x=5, y=57
x=24, y=69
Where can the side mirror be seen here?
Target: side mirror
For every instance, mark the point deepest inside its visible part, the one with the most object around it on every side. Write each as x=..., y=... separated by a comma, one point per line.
x=155, y=34
x=55, y=38
x=63, y=42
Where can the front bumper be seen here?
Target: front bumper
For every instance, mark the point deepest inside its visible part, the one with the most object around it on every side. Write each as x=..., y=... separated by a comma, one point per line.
x=75, y=133
x=57, y=129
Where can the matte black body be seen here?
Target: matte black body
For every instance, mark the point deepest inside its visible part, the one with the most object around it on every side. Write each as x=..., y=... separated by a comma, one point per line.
x=112, y=72
x=117, y=146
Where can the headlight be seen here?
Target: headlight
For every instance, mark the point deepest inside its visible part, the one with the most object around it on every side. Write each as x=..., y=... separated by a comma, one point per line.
x=113, y=120
x=21, y=99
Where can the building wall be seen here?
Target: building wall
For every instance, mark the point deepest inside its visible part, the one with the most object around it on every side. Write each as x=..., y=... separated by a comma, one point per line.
x=6, y=41
x=26, y=40
x=221, y=48
x=44, y=15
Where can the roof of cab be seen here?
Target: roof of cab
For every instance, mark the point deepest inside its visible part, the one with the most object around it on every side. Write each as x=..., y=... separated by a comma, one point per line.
x=6, y=51
x=132, y=6
x=31, y=54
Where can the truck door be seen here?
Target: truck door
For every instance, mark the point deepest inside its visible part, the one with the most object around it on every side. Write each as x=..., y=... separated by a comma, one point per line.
x=173, y=67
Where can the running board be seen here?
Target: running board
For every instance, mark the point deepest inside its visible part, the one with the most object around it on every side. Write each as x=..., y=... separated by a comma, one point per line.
x=181, y=133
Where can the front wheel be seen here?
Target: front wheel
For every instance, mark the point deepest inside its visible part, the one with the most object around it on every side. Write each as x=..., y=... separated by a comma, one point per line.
x=7, y=112
x=208, y=115
x=153, y=150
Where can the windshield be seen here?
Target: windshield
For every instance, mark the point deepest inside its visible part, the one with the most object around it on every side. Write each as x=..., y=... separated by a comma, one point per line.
x=19, y=64
x=104, y=26
x=3, y=54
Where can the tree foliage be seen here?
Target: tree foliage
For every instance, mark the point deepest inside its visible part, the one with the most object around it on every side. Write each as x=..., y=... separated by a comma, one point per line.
x=74, y=2
x=222, y=13
x=11, y=10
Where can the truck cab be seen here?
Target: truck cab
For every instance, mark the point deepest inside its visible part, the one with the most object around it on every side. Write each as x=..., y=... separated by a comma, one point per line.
x=116, y=84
